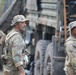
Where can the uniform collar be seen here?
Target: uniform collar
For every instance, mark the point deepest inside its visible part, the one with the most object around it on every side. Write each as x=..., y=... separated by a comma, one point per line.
x=71, y=38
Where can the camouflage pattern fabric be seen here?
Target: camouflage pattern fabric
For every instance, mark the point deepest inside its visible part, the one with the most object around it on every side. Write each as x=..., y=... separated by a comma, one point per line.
x=18, y=18
x=70, y=61
x=11, y=73
x=16, y=45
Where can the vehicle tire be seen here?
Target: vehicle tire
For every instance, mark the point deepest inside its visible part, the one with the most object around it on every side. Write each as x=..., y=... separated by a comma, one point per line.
x=39, y=56
x=48, y=60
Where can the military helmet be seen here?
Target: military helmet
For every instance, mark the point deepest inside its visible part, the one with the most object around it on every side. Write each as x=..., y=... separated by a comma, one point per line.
x=72, y=24
x=18, y=18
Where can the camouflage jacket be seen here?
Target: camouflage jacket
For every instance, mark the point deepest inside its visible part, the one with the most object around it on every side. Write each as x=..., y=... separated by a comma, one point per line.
x=15, y=44
x=70, y=49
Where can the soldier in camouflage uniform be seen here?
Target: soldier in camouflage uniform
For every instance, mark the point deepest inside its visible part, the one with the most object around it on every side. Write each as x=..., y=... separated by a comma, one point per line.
x=14, y=47
x=70, y=49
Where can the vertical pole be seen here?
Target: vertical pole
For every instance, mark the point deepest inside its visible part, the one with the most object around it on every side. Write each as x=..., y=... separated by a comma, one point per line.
x=65, y=32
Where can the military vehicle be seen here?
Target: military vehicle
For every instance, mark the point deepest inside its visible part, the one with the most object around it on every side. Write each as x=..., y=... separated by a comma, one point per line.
x=48, y=21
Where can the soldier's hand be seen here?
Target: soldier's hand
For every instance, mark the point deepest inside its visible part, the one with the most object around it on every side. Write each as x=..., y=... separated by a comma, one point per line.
x=21, y=70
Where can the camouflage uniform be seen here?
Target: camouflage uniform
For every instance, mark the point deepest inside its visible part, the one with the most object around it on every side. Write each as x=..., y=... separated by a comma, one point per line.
x=14, y=49
x=15, y=44
x=70, y=61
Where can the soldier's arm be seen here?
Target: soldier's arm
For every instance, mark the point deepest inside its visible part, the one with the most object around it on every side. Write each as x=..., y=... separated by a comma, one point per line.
x=71, y=53
x=69, y=50
x=17, y=48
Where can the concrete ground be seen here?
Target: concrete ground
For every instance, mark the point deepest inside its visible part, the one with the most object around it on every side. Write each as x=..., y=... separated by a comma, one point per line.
x=1, y=73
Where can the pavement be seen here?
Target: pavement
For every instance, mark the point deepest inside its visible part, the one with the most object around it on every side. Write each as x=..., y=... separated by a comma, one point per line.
x=1, y=72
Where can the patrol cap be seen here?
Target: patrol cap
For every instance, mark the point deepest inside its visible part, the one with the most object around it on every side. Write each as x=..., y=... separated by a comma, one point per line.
x=72, y=24
x=18, y=18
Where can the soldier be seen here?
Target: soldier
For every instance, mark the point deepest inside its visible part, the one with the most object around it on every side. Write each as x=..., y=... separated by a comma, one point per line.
x=14, y=47
x=70, y=49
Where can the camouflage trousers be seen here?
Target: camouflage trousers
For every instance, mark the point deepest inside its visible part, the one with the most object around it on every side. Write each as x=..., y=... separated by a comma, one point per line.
x=11, y=73
x=70, y=71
